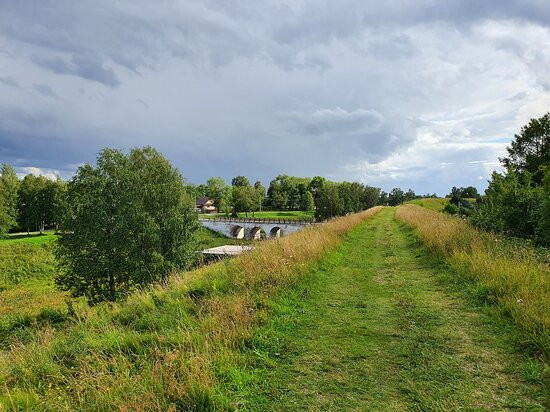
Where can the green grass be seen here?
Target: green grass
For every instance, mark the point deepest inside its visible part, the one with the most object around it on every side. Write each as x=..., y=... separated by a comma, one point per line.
x=305, y=322
x=34, y=238
x=381, y=325
x=170, y=347
x=288, y=215
x=208, y=238
x=436, y=204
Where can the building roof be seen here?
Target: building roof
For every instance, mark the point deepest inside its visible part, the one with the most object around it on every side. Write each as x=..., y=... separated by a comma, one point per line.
x=201, y=201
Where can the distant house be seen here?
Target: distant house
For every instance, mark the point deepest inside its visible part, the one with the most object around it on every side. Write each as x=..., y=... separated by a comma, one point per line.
x=205, y=205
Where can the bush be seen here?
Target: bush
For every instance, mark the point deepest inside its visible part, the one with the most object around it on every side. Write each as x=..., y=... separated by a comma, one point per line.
x=451, y=209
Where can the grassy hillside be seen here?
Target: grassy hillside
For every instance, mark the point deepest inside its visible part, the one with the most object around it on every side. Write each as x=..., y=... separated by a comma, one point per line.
x=512, y=276
x=28, y=297
x=436, y=204
x=167, y=348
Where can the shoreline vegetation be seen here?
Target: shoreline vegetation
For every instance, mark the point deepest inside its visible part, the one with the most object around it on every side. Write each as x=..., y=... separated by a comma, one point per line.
x=165, y=347
x=514, y=277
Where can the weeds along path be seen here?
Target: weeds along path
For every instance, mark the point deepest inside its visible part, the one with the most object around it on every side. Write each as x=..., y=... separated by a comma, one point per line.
x=377, y=329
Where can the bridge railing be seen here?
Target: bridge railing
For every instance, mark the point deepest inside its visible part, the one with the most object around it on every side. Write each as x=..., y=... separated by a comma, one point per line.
x=301, y=221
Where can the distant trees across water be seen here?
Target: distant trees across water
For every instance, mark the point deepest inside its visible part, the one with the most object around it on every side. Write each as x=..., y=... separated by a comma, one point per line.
x=319, y=195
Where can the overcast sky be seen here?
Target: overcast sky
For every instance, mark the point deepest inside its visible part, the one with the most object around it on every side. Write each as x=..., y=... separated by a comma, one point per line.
x=423, y=94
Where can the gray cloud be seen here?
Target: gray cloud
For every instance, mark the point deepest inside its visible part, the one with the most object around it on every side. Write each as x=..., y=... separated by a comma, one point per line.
x=45, y=90
x=9, y=81
x=393, y=93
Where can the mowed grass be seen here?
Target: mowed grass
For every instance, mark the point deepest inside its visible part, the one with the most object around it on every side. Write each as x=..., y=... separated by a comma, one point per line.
x=287, y=215
x=515, y=278
x=172, y=347
x=436, y=204
x=380, y=325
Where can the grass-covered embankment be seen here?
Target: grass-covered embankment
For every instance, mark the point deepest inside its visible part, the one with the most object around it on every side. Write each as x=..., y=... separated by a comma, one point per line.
x=379, y=325
x=513, y=277
x=432, y=203
x=172, y=347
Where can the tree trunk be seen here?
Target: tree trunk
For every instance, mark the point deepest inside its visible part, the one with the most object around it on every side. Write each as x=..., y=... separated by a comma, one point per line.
x=112, y=287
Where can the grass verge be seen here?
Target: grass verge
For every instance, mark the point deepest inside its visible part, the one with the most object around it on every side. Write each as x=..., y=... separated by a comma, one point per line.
x=169, y=348
x=514, y=278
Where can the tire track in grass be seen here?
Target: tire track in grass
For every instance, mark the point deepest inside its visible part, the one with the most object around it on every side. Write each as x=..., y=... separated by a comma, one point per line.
x=376, y=328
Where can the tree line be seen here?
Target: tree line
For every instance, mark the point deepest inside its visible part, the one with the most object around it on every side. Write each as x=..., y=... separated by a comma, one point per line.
x=31, y=204
x=325, y=198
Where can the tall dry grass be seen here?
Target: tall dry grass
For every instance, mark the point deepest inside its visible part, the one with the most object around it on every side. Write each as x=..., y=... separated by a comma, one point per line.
x=168, y=348
x=513, y=276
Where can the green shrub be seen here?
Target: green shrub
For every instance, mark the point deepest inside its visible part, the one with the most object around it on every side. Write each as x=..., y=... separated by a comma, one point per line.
x=451, y=209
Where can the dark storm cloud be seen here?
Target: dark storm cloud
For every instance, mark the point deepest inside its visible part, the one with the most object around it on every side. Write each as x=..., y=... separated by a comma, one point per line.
x=386, y=92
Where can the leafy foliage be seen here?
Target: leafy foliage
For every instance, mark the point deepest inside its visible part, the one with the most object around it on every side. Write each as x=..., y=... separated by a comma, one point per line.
x=129, y=223
x=8, y=199
x=530, y=149
x=516, y=202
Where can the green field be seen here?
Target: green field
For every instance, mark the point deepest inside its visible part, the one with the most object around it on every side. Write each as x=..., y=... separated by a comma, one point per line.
x=288, y=215
x=436, y=204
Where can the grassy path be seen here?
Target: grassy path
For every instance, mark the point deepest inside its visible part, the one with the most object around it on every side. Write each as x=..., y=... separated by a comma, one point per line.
x=377, y=328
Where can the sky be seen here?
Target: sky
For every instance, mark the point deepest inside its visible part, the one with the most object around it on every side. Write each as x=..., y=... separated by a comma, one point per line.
x=419, y=94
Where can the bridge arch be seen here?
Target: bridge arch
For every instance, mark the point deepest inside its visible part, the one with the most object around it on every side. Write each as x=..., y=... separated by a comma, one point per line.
x=237, y=232
x=257, y=233
x=275, y=232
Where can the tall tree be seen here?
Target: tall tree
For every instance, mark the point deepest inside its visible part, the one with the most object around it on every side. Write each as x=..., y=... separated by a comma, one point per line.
x=396, y=197
x=261, y=194
x=307, y=203
x=245, y=199
x=240, y=181
x=220, y=193
x=129, y=223
x=316, y=185
x=330, y=203
x=530, y=149
x=35, y=203
x=9, y=185
x=371, y=196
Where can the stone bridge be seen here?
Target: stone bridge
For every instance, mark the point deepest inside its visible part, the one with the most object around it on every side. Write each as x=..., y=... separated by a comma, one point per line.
x=254, y=228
